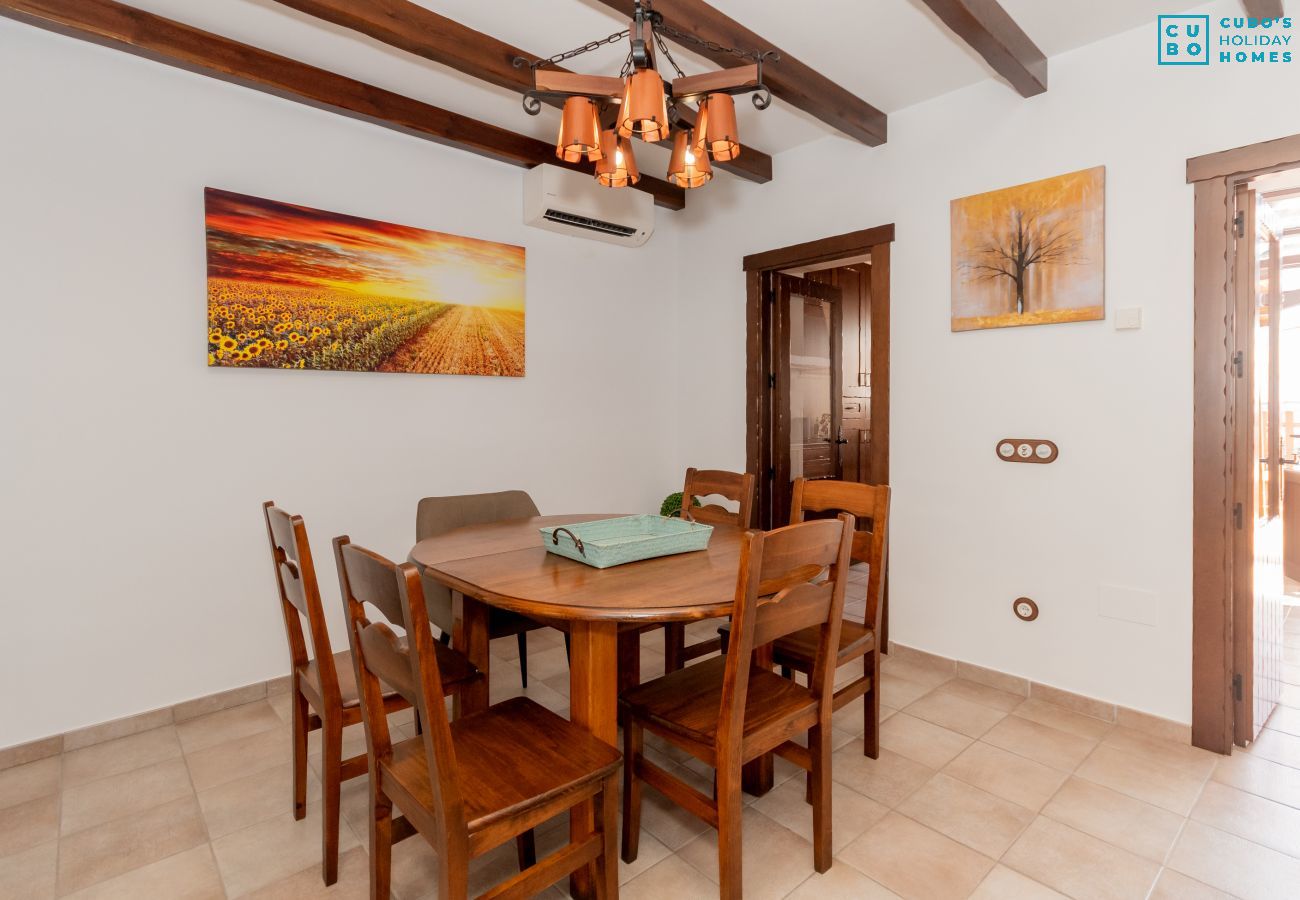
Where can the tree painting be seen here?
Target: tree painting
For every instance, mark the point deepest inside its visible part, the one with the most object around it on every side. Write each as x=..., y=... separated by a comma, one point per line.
x=1031, y=254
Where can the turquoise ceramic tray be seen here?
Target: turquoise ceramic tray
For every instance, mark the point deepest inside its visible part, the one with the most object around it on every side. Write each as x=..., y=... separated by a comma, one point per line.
x=612, y=542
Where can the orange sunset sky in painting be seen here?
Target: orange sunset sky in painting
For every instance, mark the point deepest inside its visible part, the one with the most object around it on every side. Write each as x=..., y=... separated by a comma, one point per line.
x=263, y=241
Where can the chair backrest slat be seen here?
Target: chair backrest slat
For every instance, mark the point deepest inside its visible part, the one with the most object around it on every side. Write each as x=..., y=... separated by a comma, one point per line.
x=295, y=580
x=369, y=579
x=387, y=658
x=869, y=505
x=793, y=609
x=733, y=486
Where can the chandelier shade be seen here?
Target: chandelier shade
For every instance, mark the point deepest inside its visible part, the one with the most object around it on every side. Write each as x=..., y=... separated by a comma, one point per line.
x=617, y=165
x=639, y=102
x=644, y=111
x=689, y=166
x=716, y=127
x=579, y=131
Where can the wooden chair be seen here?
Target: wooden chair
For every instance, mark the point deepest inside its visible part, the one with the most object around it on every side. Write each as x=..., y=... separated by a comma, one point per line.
x=323, y=686
x=470, y=785
x=438, y=515
x=727, y=711
x=797, y=652
x=705, y=483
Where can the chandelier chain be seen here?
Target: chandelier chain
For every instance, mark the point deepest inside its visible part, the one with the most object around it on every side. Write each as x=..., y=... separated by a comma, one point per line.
x=683, y=37
x=663, y=48
x=659, y=30
x=576, y=51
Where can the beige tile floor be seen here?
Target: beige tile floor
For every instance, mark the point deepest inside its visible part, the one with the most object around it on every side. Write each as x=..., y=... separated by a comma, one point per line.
x=977, y=793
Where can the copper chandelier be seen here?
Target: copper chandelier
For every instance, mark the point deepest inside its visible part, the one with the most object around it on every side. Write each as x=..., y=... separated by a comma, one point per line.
x=601, y=113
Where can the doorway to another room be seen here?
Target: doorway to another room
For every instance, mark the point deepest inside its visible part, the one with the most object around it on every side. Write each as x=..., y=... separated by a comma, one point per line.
x=1246, y=495
x=817, y=396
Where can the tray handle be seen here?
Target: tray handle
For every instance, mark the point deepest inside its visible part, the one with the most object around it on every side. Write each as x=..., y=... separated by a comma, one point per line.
x=577, y=541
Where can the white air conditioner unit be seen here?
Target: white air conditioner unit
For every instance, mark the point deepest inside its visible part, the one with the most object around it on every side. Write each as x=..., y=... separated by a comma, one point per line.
x=574, y=203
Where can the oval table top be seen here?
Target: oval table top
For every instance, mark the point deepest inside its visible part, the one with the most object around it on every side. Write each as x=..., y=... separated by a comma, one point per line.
x=505, y=565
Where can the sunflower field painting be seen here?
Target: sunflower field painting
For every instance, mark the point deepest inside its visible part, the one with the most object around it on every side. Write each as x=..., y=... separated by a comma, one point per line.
x=290, y=287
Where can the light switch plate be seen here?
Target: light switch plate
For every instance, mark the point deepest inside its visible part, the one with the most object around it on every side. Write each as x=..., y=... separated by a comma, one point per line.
x=1026, y=450
x=1129, y=319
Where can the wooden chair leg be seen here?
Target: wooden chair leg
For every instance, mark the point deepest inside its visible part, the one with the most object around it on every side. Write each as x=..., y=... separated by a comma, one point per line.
x=331, y=780
x=674, y=646
x=526, y=850
x=871, y=709
x=729, y=833
x=605, y=868
x=632, y=741
x=522, y=639
x=819, y=748
x=300, y=713
x=381, y=845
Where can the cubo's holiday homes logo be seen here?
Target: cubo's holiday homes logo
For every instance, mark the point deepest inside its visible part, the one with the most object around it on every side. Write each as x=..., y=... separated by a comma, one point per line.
x=1183, y=40
x=1195, y=41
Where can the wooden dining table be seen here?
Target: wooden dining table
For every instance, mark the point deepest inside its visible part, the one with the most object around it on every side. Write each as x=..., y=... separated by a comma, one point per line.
x=504, y=565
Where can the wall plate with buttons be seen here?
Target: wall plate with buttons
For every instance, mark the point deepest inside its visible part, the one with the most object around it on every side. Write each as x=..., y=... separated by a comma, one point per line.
x=1026, y=610
x=1026, y=450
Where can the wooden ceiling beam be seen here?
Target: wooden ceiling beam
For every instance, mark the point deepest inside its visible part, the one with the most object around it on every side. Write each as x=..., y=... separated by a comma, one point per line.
x=994, y=35
x=140, y=33
x=1263, y=9
x=796, y=83
x=423, y=32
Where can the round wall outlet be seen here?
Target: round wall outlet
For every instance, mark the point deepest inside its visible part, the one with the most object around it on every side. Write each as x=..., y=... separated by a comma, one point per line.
x=1025, y=609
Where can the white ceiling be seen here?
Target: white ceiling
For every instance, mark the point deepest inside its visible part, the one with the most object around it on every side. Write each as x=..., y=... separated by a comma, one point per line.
x=891, y=53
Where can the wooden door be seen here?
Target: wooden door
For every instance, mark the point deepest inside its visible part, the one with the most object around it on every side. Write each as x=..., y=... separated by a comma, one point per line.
x=804, y=388
x=1258, y=583
x=854, y=282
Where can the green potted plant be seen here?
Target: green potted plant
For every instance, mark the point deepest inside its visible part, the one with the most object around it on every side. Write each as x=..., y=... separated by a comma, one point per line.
x=672, y=505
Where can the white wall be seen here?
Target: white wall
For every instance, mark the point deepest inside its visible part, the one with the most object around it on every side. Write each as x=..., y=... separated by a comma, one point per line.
x=970, y=533
x=135, y=563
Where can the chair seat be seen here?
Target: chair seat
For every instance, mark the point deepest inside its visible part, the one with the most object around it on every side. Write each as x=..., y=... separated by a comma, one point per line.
x=452, y=666
x=799, y=650
x=556, y=756
x=686, y=702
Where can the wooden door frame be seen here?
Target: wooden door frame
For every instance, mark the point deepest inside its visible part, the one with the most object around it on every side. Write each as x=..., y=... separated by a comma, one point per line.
x=875, y=241
x=1217, y=424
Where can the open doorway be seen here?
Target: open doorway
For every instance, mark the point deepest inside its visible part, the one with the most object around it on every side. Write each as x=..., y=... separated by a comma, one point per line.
x=1246, y=522
x=817, y=395
x=817, y=398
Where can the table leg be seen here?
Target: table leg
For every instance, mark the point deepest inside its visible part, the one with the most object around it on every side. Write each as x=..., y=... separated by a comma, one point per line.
x=469, y=635
x=758, y=774
x=629, y=662
x=593, y=705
